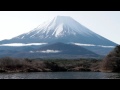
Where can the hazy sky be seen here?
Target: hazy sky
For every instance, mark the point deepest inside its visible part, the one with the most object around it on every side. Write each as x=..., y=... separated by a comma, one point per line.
x=104, y=23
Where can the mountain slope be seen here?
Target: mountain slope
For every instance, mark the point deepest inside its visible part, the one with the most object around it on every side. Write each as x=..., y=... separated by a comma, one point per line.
x=61, y=29
x=67, y=49
x=66, y=30
x=58, y=50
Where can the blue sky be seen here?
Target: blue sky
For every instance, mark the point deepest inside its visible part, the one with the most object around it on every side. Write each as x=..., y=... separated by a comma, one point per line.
x=104, y=23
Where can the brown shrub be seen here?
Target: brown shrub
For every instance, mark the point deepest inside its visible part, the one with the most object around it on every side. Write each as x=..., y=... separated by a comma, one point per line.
x=111, y=62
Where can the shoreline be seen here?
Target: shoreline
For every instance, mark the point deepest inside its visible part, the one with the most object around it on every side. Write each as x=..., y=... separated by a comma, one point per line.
x=13, y=65
x=17, y=65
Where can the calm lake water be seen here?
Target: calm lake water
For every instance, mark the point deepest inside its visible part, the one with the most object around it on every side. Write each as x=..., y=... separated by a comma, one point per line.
x=60, y=75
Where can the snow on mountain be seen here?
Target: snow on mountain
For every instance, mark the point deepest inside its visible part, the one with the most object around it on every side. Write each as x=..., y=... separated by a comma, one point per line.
x=58, y=27
x=61, y=29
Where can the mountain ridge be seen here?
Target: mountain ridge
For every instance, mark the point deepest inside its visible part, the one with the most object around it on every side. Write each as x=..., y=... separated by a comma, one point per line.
x=63, y=29
x=57, y=50
x=66, y=30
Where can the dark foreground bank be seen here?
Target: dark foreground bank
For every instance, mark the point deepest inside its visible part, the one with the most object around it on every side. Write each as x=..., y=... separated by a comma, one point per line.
x=9, y=64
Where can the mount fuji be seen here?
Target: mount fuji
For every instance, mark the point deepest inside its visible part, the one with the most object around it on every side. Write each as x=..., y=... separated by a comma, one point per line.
x=61, y=29
x=66, y=30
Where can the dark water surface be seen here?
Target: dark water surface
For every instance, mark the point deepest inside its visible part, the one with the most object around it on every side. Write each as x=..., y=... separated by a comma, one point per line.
x=60, y=75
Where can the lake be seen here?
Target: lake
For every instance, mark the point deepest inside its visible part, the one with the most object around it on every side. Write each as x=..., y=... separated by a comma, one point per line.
x=60, y=75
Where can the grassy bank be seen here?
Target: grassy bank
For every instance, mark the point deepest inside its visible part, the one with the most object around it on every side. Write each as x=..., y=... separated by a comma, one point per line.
x=8, y=64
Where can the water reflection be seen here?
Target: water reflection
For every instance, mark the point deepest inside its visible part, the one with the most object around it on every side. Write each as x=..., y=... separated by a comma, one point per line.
x=60, y=75
x=112, y=75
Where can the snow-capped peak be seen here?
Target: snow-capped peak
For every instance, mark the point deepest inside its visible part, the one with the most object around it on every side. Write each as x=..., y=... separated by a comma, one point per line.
x=59, y=26
x=63, y=29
